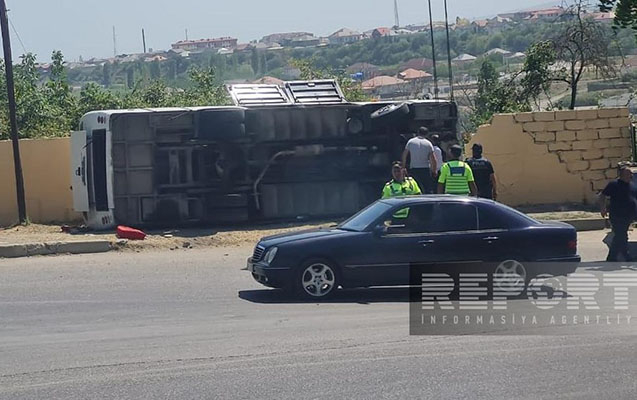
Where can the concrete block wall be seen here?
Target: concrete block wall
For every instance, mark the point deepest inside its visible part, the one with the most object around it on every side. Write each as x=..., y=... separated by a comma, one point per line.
x=555, y=157
x=589, y=143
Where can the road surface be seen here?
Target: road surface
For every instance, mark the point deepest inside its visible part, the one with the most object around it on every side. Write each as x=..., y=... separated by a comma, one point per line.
x=191, y=324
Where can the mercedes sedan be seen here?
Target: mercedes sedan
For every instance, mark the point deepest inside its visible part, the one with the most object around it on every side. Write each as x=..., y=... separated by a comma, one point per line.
x=378, y=246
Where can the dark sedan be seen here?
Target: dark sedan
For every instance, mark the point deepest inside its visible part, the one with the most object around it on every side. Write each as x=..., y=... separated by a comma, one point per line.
x=377, y=246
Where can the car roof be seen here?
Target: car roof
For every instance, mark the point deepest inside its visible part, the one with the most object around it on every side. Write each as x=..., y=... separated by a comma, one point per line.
x=432, y=198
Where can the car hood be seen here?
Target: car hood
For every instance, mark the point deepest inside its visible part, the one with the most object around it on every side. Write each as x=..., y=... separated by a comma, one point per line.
x=276, y=240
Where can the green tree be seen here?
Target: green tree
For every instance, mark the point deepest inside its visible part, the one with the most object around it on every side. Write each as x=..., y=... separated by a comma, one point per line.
x=60, y=103
x=581, y=44
x=106, y=74
x=155, y=70
x=130, y=77
x=254, y=61
x=625, y=12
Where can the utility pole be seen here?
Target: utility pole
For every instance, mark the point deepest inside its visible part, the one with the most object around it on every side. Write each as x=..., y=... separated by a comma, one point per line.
x=8, y=67
x=186, y=34
x=396, y=19
x=144, y=40
x=433, y=51
x=449, y=53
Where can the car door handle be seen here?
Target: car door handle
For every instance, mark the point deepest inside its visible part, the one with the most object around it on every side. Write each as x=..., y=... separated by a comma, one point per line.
x=425, y=243
x=490, y=238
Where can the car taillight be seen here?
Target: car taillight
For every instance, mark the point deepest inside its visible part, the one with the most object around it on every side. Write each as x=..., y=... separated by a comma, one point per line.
x=572, y=245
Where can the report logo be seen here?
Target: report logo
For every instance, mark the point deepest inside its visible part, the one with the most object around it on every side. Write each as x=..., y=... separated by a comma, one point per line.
x=509, y=302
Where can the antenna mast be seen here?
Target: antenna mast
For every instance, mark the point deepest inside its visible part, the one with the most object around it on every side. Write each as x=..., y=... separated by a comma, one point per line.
x=114, y=43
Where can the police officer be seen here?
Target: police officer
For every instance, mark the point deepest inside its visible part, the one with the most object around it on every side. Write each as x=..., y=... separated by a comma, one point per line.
x=483, y=173
x=456, y=176
x=401, y=185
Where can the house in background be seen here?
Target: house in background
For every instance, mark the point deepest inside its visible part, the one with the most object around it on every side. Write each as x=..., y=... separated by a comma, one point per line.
x=283, y=38
x=381, y=32
x=464, y=59
x=498, y=51
x=367, y=70
x=344, y=36
x=548, y=14
x=387, y=87
x=515, y=58
x=414, y=75
x=422, y=64
x=204, y=44
x=303, y=41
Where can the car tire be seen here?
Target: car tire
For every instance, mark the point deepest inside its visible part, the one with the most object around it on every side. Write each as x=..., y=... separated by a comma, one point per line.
x=510, y=274
x=391, y=110
x=317, y=279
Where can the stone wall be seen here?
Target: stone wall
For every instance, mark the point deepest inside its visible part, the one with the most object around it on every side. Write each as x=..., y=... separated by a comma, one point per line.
x=556, y=157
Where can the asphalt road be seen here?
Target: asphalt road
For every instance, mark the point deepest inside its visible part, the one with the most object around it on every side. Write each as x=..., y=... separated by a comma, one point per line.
x=191, y=324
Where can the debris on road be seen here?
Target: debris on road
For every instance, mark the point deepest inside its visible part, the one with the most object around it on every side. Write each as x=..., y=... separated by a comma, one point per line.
x=125, y=232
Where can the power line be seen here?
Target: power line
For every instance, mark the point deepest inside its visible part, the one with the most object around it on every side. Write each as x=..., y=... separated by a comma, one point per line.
x=18, y=36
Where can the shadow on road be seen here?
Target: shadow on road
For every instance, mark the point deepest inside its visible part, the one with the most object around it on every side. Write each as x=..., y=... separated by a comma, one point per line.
x=363, y=296
x=360, y=296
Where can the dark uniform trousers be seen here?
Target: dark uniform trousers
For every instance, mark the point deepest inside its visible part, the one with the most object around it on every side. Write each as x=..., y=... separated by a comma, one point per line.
x=619, y=245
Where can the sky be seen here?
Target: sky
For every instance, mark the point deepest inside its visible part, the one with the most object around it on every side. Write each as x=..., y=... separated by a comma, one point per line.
x=85, y=27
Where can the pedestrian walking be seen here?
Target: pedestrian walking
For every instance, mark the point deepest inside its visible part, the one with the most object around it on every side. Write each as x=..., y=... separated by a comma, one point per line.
x=456, y=176
x=483, y=173
x=623, y=210
x=422, y=165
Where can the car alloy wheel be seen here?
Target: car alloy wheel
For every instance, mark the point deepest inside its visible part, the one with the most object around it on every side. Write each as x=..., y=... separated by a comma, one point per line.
x=318, y=280
x=510, y=275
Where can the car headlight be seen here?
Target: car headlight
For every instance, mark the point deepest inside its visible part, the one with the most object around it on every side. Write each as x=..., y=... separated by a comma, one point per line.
x=270, y=254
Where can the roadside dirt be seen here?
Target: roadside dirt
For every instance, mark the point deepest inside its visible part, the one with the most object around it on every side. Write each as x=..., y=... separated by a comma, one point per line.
x=168, y=239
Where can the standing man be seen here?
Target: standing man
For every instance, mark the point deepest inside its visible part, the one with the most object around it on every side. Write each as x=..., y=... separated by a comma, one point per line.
x=435, y=140
x=456, y=176
x=483, y=173
x=423, y=162
x=623, y=210
x=401, y=185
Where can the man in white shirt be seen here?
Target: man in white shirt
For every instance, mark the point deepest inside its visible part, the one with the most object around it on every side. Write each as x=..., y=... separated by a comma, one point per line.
x=435, y=140
x=423, y=164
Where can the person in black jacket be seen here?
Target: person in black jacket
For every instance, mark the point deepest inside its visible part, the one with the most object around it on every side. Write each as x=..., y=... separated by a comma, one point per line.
x=623, y=210
x=483, y=173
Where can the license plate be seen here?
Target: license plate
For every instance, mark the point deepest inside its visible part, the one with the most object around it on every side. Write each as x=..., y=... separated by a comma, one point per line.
x=250, y=267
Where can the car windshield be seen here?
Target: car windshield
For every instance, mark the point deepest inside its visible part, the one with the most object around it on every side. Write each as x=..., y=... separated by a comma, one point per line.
x=361, y=220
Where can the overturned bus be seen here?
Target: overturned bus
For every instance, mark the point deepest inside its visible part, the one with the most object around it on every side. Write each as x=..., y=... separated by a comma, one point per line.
x=280, y=153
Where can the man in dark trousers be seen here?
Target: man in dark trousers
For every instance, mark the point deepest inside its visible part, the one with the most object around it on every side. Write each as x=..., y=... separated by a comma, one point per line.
x=422, y=166
x=623, y=210
x=483, y=174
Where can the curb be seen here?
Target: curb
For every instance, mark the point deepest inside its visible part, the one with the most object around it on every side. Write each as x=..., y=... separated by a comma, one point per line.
x=48, y=248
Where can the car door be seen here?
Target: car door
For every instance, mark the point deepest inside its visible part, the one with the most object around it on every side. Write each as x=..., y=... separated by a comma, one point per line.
x=458, y=240
x=500, y=239
x=403, y=241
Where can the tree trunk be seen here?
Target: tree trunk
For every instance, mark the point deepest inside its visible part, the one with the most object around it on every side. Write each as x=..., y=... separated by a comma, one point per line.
x=573, y=96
